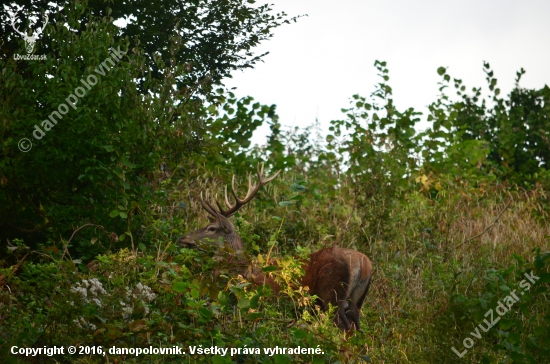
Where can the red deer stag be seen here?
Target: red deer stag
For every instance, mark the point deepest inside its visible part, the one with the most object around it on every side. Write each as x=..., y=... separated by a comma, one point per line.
x=337, y=276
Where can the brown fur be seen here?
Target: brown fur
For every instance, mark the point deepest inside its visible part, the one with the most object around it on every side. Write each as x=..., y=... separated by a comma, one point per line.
x=342, y=278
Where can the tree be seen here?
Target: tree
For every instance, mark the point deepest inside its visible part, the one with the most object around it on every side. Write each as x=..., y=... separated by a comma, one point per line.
x=106, y=108
x=507, y=137
x=217, y=37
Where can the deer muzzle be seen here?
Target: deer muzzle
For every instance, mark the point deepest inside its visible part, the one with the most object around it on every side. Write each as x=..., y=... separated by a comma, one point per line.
x=187, y=242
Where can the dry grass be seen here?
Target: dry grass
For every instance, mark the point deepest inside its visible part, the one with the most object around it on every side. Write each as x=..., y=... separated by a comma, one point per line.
x=435, y=245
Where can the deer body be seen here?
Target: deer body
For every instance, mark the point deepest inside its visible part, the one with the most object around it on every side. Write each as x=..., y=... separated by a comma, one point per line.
x=335, y=275
x=342, y=278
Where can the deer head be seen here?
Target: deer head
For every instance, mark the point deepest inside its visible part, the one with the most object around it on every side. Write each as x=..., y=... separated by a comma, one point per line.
x=220, y=229
x=29, y=40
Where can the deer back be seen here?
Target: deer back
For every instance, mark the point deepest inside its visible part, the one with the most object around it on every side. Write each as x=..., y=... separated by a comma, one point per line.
x=342, y=278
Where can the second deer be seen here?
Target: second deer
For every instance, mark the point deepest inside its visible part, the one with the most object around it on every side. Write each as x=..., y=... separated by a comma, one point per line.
x=335, y=275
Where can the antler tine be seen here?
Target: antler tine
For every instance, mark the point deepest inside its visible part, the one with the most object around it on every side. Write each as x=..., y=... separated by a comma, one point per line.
x=218, y=204
x=212, y=207
x=252, y=191
x=207, y=206
x=232, y=209
x=250, y=188
x=233, y=190
x=260, y=169
x=225, y=194
x=267, y=180
x=45, y=22
x=264, y=181
x=16, y=29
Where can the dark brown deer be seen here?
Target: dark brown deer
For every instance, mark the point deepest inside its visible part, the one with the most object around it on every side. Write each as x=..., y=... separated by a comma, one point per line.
x=335, y=275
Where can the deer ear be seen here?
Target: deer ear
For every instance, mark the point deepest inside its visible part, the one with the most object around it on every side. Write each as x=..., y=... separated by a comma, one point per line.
x=225, y=224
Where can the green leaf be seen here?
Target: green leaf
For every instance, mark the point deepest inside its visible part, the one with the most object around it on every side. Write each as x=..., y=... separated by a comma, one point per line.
x=513, y=337
x=255, y=301
x=244, y=303
x=286, y=203
x=539, y=331
x=123, y=214
x=441, y=71
x=205, y=313
x=505, y=324
x=299, y=334
x=179, y=287
x=114, y=213
x=295, y=187
x=127, y=163
x=255, y=315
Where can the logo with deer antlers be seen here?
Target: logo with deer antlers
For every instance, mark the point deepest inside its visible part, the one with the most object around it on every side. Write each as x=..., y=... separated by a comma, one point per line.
x=30, y=41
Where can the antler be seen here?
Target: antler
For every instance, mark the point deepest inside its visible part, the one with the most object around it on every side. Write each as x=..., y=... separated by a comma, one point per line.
x=13, y=18
x=207, y=206
x=14, y=28
x=252, y=190
x=45, y=23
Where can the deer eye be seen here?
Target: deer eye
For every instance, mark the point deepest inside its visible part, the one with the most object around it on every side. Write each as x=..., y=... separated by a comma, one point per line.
x=211, y=228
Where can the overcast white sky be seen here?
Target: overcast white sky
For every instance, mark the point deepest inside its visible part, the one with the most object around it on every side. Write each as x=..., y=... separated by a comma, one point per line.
x=318, y=63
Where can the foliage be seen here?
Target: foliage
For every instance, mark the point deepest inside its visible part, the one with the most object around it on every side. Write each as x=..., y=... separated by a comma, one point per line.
x=217, y=37
x=138, y=117
x=504, y=138
x=452, y=217
x=65, y=184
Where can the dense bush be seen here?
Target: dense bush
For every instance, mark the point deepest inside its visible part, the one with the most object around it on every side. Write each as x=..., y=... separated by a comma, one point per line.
x=452, y=217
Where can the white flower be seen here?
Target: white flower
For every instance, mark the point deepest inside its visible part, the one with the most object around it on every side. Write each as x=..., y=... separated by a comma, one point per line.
x=96, y=287
x=145, y=308
x=97, y=302
x=127, y=311
x=81, y=291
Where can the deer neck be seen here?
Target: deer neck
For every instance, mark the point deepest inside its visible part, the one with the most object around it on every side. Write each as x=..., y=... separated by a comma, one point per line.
x=235, y=241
